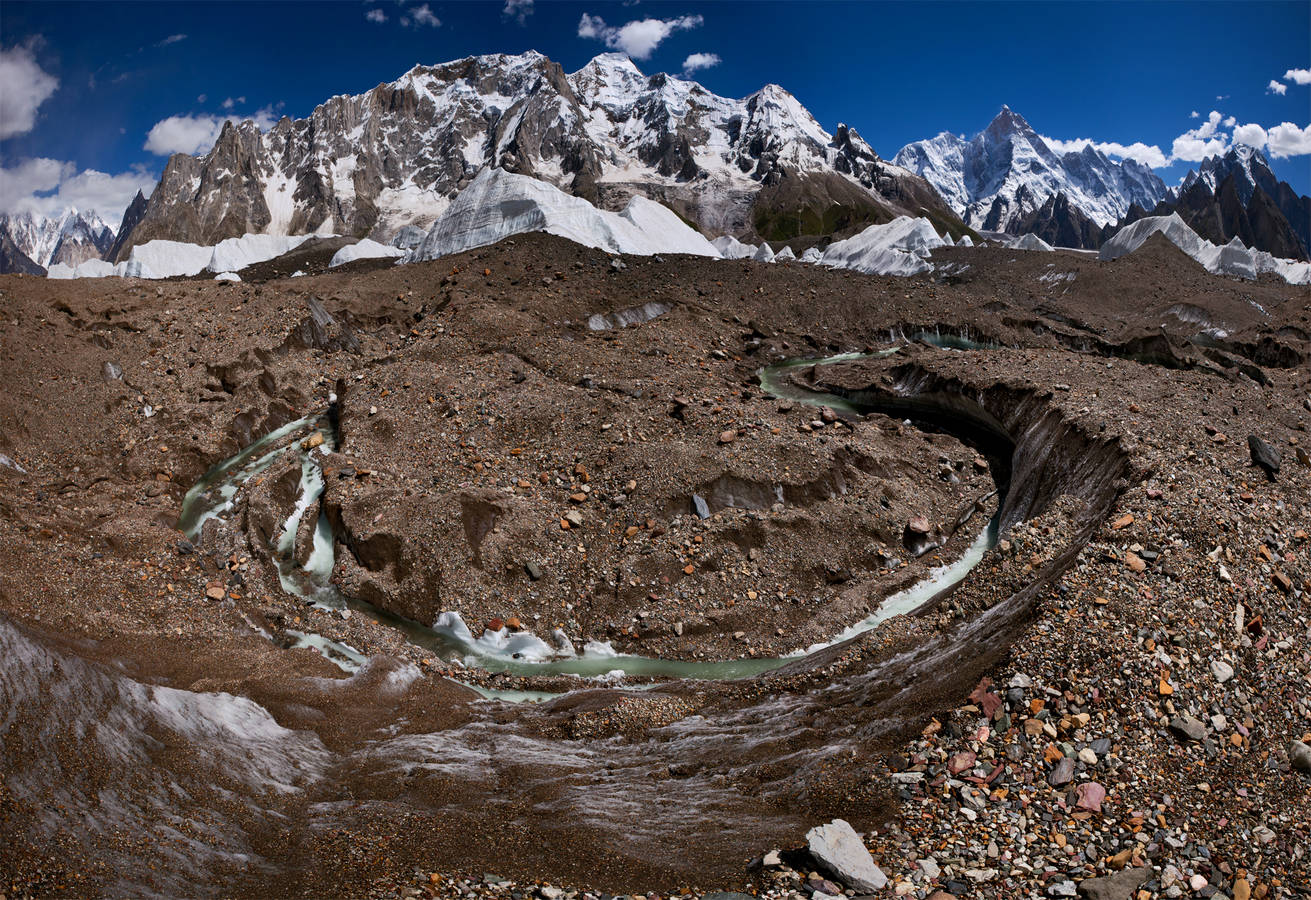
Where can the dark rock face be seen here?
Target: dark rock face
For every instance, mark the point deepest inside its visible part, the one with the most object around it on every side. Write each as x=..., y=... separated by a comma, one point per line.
x=1238, y=195
x=13, y=260
x=378, y=162
x=1061, y=224
x=135, y=212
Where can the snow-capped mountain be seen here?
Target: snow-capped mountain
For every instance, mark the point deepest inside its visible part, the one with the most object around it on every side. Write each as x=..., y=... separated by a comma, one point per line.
x=1006, y=173
x=1238, y=195
x=372, y=164
x=72, y=237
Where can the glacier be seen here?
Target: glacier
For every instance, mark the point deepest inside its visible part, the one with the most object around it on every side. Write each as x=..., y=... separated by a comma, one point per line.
x=498, y=204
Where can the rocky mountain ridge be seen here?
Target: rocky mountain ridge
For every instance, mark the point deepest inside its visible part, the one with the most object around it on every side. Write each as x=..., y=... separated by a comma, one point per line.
x=71, y=237
x=372, y=164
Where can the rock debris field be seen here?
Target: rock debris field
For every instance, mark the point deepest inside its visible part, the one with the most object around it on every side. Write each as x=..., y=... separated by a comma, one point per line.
x=578, y=458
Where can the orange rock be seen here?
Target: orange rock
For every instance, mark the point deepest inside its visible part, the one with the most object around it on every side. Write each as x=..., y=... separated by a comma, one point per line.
x=1165, y=688
x=689, y=569
x=1123, y=522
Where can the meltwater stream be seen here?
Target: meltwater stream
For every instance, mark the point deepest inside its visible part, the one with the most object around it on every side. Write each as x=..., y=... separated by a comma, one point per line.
x=517, y=654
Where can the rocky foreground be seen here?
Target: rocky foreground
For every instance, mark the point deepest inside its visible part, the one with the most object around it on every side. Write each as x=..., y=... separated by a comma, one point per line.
x=1114, y=704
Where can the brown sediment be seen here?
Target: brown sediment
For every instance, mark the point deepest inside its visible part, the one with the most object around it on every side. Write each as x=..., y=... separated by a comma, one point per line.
x=113, y=756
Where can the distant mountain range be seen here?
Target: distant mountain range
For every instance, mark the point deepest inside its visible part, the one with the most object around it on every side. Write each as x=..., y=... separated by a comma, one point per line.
x=1007, y=172
x=372, y=164
x=30, y=242
x=759, y=168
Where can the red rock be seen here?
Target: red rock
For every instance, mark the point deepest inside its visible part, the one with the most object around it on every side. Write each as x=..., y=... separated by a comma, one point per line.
x=1091, y=794
x=495, y=624
x=960, y=762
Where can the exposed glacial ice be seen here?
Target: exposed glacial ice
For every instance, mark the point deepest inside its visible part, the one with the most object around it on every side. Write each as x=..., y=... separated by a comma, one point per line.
x=894, y=248
x=1233, y=259
x=498, y=204
x=730, y=247
x=365, y=249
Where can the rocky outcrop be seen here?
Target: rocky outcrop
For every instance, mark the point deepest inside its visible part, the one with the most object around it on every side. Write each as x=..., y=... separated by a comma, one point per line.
x=1061, y=224
x=14, y=260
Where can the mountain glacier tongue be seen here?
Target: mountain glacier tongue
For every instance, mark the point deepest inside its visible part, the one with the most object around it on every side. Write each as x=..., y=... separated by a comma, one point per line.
x=1007, y=171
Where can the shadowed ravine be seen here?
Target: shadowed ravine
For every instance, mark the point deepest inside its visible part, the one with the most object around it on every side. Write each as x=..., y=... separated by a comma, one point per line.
x=240, y=792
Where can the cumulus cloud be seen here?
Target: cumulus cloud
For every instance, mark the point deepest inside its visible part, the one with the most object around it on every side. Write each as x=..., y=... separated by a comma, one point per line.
x=519, y=10
x=1198, y=143
x=171, y=39
x=376, y=15
x=196, y=134
x=1194, y=115
x=232, y=102
x=700, y=61
x=638, y=38
x=48, y=186
x=1149, y=155
x=1230, y=121
x=26, y=87
x=1251, y=135
x=419, y=17
x=1289, y=140
x=1298, y=76
x=1275, y=87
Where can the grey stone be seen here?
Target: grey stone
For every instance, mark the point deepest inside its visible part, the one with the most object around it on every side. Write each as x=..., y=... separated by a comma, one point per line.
x=1063, y=773
x=1263, y=455
x=1299, y=754
x=1188, y=727
x=1061, y=889
x=534, y=570
x=1221, y=670
x=1119, y=886
x=838, y=850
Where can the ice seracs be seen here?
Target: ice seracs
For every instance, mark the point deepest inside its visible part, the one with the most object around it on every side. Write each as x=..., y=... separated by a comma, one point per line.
x=498, y=204
x=894, y=248
x=1233, y=258
x=365, y=249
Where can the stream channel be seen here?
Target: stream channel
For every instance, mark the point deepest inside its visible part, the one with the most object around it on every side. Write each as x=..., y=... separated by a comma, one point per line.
x=522, y=653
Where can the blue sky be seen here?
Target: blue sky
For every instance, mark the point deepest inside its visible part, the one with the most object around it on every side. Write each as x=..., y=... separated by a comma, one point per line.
x=94, y=96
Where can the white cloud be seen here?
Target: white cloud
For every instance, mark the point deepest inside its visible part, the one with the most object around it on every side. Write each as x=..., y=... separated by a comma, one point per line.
x=1275, y=87
x=1298, y=76
x=49, y=186
x=1230, y=121
x=1149, y=155
x=1194, y=115
x=196, y=134
x=519, y=10
x=638, y=38
x=233, y=102
x=1251, y=135
x=419, y=16
x=171, y=39
x=1198, y=143
x=1289, y=140
x=26, y=87
x=376, y=15
x=700, y=61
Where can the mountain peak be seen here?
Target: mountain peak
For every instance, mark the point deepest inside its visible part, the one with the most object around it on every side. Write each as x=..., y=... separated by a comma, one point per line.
x=1006, y=123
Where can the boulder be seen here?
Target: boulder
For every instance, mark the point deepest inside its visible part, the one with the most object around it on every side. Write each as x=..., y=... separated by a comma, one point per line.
x=840, y=852
x=1120, y=886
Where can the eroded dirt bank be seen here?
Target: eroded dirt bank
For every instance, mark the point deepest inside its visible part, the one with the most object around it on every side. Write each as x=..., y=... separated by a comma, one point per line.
x=479, y=415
